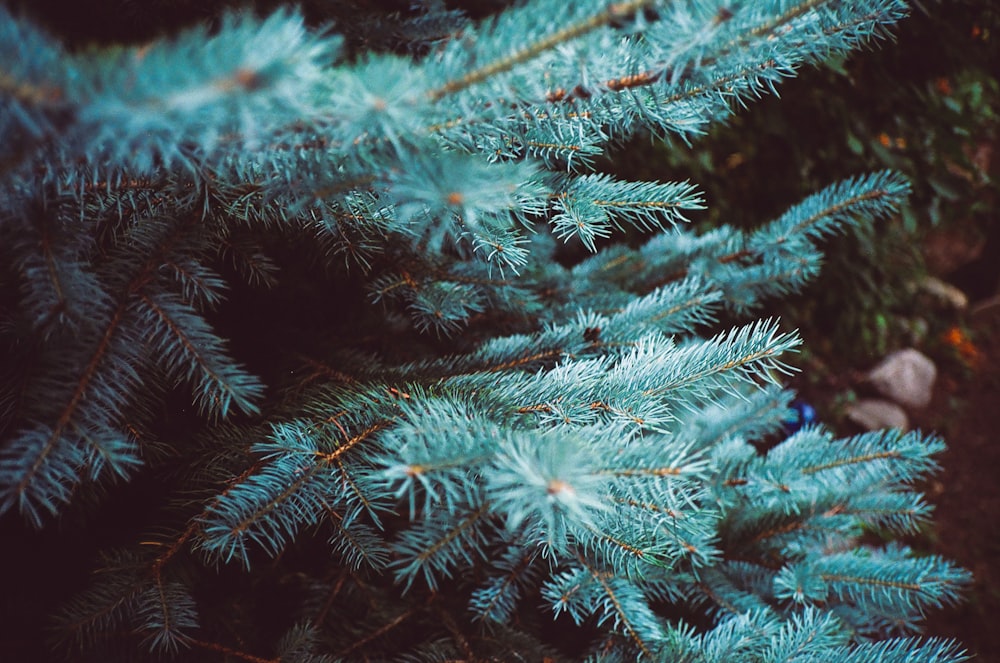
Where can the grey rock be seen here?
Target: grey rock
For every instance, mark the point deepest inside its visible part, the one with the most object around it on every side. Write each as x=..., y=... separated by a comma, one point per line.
x=906, y=376
x=875, y=413
x=945, y=293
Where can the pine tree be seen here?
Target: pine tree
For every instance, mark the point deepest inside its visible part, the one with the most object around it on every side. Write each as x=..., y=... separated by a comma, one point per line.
x=305, y=286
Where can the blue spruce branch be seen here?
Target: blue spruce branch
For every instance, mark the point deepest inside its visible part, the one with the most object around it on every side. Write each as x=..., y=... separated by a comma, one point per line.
x=486, y=431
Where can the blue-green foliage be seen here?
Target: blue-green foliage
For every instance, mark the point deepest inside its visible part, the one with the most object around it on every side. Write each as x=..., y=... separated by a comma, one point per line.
x=586, y=445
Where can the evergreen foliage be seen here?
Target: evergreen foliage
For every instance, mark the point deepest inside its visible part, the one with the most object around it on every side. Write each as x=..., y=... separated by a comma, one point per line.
x=925, y=108
x=493, y=457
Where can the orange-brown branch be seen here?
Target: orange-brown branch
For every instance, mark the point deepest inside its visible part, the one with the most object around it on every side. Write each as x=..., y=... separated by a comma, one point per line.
x=376, y=634
x=618, y=607
x=351, y=443
x=229, y=651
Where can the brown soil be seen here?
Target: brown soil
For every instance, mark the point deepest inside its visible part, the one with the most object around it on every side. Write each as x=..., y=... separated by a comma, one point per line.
x=966, y=529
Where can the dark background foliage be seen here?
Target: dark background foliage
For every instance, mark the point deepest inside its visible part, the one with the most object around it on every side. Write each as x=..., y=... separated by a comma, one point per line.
x=927, y=106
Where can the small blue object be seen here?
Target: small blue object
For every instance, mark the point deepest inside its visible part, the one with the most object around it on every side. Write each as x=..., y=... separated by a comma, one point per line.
x=805, y=414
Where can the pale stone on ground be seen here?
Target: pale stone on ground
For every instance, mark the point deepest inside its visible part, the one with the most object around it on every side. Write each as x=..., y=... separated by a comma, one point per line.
x=945, y=293
x=874, y=413
x=905, y=376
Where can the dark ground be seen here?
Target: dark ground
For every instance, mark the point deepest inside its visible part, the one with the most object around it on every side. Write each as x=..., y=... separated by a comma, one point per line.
x=966, y=412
